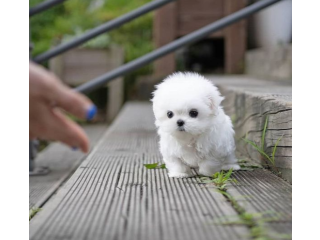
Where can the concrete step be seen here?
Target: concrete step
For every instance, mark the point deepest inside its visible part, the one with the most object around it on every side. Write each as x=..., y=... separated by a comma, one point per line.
x=248, y=101
x=274, y=62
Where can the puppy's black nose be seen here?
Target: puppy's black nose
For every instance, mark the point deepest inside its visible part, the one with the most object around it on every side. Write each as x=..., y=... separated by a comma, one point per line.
x=180, y=123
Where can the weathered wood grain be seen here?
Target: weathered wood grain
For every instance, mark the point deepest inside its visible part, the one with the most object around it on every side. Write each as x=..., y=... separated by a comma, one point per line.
x=248, y=102
x=62, y=161
x=267, y=198
x=113, y=196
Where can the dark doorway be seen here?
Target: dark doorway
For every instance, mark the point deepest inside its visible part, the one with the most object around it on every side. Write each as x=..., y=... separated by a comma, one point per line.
x=205, y=56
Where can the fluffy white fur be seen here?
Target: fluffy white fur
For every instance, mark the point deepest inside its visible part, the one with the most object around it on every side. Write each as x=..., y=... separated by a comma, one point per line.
x=205, y=141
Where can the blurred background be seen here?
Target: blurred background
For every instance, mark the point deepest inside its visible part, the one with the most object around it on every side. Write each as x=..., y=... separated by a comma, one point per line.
x=260, y=45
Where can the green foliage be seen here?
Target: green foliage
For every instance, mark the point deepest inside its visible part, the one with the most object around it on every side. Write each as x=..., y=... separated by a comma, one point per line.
x=254, y=221
x=101, y=41
x=49, y=27
x=220, y=179
x=260, y=148
x=75, y=16
x=62, y=22
x=33, y=211
x=155, y=166
x=247, y=165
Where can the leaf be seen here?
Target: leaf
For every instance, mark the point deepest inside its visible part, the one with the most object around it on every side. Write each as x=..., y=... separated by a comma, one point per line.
x=235, y=181
x=225, y=194
x=228, y=174
x=242, y=161
x=151, y=166
x=255, y=146
x=275, y=148
x=163, y=166
x=216, y=175
x=155, y=166
x=251, y=143
x=264, y=133
x=264, y=154
x=33, y=211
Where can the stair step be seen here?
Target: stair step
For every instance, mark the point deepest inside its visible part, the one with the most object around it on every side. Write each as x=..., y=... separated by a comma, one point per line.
x=248, y=101
x=274, y=62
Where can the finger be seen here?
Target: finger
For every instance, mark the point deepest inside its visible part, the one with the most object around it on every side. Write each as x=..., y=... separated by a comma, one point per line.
x=53, y=125
x=73, y=102
x=68, y=131
x=54, y=91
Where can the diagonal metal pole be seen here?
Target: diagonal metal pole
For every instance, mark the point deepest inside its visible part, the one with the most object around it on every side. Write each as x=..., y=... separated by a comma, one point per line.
x=188, y=39
x=101, y=29
x=44, y=6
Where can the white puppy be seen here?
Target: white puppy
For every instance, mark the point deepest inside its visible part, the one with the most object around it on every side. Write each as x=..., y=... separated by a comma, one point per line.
x=194, y=130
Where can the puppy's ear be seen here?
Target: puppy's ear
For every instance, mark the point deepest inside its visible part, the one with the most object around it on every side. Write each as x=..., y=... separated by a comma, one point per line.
x=214, y=101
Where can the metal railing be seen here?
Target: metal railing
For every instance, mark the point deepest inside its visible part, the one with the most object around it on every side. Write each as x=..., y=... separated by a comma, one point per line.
x=101, y=29
x=171, y=47
x=135, y=64
x=44, y=6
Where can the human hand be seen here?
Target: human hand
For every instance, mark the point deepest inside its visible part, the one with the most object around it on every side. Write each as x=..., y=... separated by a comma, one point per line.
x=48, y=98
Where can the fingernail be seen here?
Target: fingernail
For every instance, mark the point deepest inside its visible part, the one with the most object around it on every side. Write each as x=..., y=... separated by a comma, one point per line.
x=91, y=112
x=74, y=148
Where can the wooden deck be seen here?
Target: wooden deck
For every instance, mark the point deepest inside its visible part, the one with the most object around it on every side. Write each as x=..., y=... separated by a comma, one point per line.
x=113, y=196
x=62, y=162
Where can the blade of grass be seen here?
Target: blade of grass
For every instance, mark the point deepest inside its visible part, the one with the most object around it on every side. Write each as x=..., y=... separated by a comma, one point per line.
x=264, y=133
x=228, y=174
x=257, y=148
x=250, y=142
x=275, y=148
x=33, y=211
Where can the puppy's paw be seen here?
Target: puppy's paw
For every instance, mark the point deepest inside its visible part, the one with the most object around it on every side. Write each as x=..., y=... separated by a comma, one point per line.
x=180, y=174
x=234, y=166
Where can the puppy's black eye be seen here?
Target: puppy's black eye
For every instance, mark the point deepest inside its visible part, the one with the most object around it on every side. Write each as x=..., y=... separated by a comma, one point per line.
x=193, y=113
x=170, y=114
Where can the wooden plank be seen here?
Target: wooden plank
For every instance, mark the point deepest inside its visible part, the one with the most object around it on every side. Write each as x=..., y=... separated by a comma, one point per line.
x=267, y=198
x=62, y=161
x=113, y=196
